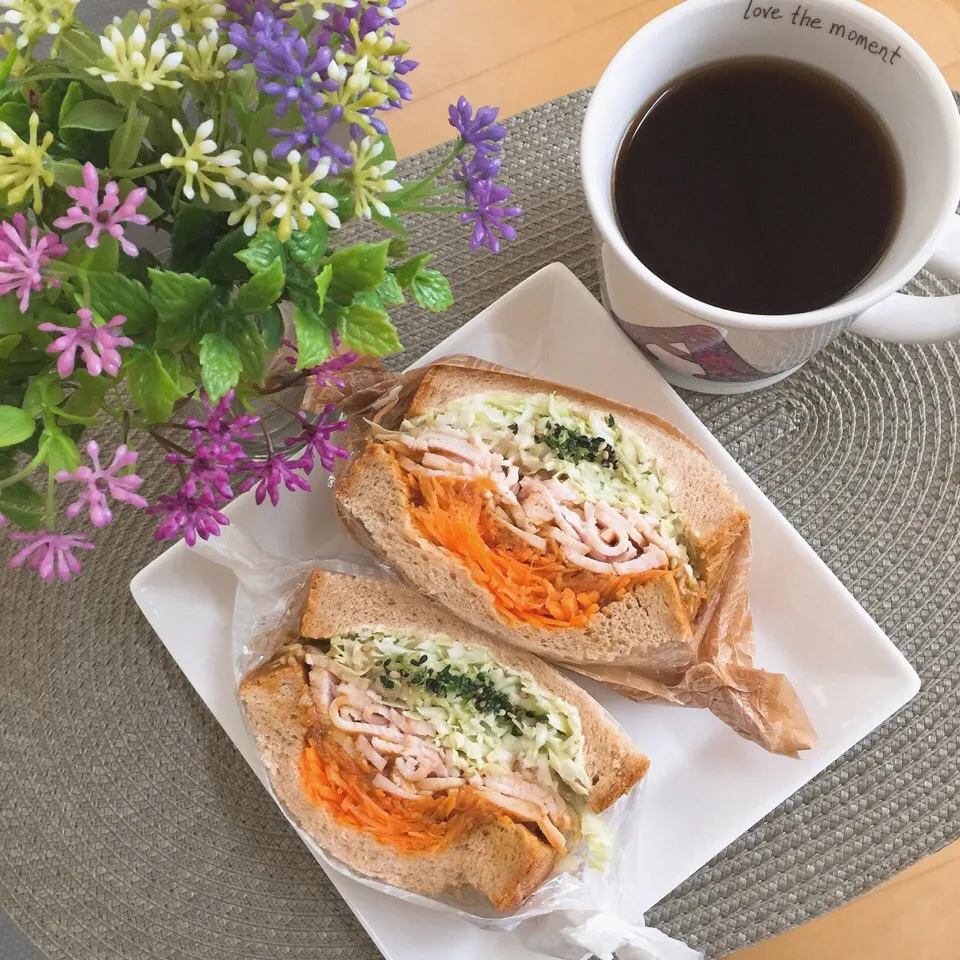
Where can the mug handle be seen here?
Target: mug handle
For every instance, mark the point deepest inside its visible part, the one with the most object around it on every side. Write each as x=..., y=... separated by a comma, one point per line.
x=904, y=319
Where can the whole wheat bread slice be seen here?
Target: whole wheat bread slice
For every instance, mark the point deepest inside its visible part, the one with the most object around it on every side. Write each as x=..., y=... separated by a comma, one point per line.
x=649, y=628
x=505, y=861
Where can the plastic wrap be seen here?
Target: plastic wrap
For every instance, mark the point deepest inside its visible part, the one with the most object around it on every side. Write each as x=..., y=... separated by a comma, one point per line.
x=759, y=705
x=579, y=912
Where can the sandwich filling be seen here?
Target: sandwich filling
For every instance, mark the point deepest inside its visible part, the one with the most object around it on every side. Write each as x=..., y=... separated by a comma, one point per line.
x=556, y=512
x=416, y=740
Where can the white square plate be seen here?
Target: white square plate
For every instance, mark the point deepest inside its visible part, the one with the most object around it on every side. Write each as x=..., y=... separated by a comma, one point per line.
x=847, y=672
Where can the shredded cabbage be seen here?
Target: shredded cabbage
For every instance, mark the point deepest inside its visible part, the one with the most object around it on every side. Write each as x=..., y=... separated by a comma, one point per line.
x=540, y=731
x=510, y=424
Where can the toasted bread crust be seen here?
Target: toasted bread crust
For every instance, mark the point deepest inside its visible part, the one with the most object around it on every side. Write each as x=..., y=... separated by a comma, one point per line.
x=503, y=860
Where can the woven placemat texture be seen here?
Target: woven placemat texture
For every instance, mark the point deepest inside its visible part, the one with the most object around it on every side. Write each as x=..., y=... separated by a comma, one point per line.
x=131, y=828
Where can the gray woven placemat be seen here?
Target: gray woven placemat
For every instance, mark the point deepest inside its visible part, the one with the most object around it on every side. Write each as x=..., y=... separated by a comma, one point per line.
x=131, y=828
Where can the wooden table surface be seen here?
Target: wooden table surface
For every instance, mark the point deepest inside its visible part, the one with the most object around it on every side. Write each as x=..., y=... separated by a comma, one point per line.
x=518, y=53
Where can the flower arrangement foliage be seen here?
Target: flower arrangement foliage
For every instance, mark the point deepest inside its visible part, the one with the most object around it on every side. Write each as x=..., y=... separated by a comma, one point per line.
x=244, y=133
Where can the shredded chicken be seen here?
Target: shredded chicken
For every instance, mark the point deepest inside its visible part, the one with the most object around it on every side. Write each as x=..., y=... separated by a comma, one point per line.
x=594, y=537
x=407, y=762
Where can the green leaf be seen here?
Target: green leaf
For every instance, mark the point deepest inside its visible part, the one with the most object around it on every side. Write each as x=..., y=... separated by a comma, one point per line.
x=221, y=364
x=391, y=223
x=85, y=400
x=126, y=141
x=309, y=245
x=399, y=247
x=66, y=173
x=221, y=265
x=178, y=296
x=16, y=425
x=113, y=293
x=43, y=393
x=11, y=319
x=261, y=122
x=368, y=329
x=323, y=283
x=152, y=388
x=407, y=272
x=389, y=150
x=248, y=340
x=431, y=289
x=99, y=115
x=262, y=290
x=390, y=292
x=195, y=231
x=22, y=505
x=314, y=340
x=71, y=98
x=271, y=325
x=8, y=344
x=262, y=250
x=360, y=267
x=16, y=115
x=59, y=451
x=106, y=257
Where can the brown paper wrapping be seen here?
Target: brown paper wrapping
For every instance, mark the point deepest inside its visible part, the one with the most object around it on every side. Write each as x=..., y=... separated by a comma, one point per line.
x=758, y=705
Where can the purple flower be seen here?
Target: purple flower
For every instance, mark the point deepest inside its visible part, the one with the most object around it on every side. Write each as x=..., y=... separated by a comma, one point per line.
x=49, y=553
x=268, y=474
x=101, y=482
x=220, y=433
x=325, y=374
x=478, y=131
x=481, y=166
x=370, y=14
x=311, y=140
x=316, y=435
x=245, y=10
x=3, y=519
x=285, y=65
x=208, y=470
x=97, y=345
x=489, y=217
x=106, y=217
x=21, y=261
x=192, y=516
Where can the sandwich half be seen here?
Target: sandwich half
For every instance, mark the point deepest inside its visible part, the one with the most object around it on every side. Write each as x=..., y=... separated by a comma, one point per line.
x=424, y=754
x=558, y=521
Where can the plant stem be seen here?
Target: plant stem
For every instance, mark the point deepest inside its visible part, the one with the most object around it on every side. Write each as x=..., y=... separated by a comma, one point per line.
x=7, y=65
x=50, y=513
x=168, y=444
x=440, y=209
x=137, y=171
x=222, y=119
x=21, y=474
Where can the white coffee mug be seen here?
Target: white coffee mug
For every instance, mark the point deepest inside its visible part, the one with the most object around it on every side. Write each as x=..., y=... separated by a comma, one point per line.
x=706, y=348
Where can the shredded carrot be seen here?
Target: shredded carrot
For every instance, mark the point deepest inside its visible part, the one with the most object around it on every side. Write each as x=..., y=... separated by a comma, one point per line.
x=427, y=824
x=528, y=586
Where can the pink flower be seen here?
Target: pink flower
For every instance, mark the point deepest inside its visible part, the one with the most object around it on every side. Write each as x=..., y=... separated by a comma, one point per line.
x=100, y=482
x=90, y=341
x=106, y=216
x=44, y=550
x=193, y=516
x=268, y=474
x=21, y=261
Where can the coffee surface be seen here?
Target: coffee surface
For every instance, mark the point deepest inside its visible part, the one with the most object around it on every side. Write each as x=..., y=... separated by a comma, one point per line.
x=758, y=185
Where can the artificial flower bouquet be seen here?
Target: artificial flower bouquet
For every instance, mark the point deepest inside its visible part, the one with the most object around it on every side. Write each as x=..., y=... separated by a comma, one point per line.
x=238, y=136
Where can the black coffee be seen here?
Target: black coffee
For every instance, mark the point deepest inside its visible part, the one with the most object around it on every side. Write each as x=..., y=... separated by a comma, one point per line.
x=758, y=185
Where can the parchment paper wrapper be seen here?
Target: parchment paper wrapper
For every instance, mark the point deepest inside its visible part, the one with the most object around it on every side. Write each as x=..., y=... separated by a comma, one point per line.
x=578, y=912
x=758, y=705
